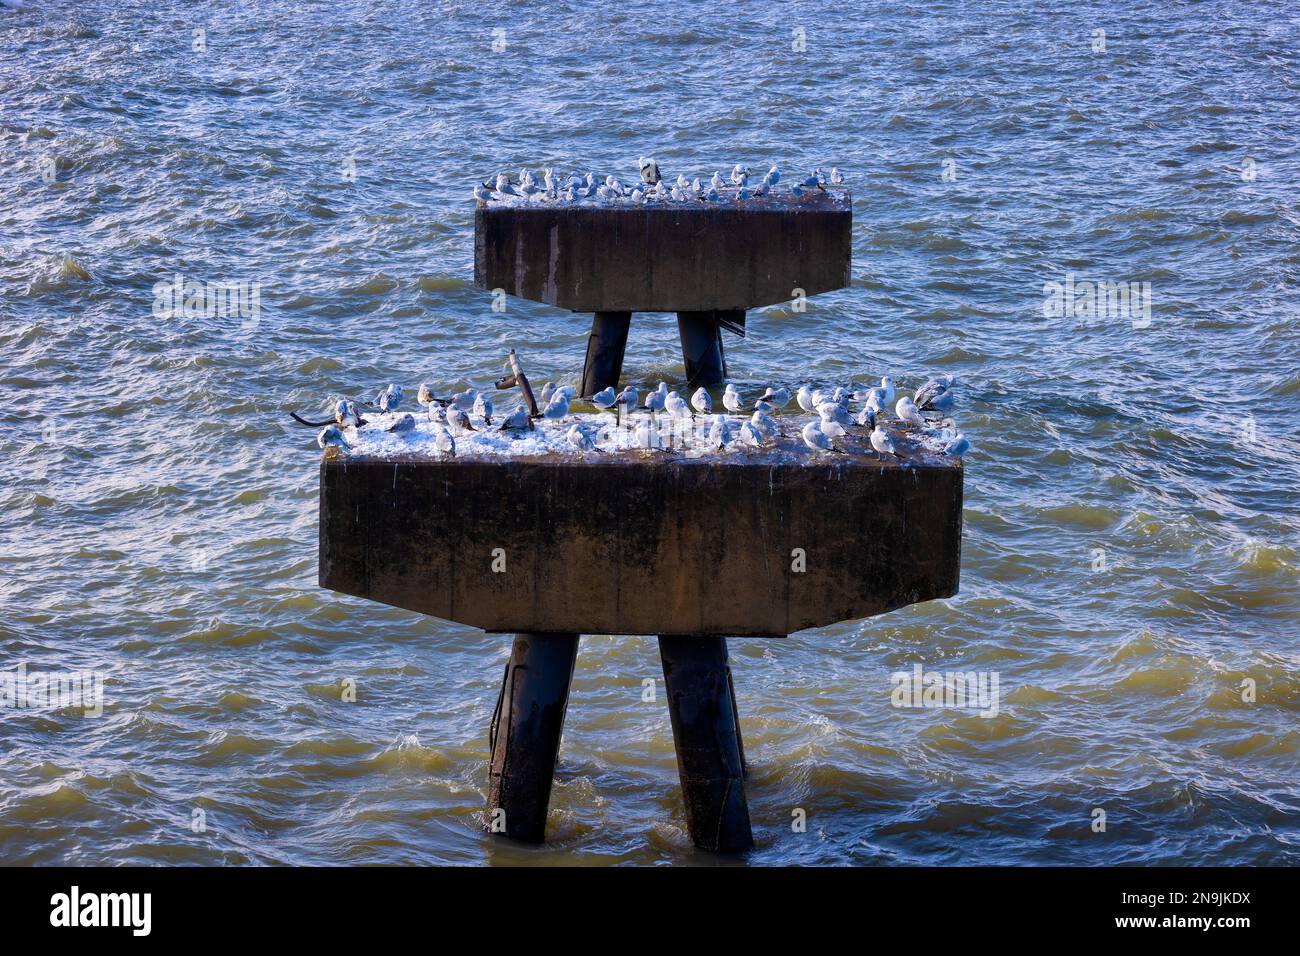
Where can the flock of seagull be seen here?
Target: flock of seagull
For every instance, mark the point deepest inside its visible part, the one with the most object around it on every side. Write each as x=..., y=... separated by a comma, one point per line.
x=455, y=415
x=651, y=188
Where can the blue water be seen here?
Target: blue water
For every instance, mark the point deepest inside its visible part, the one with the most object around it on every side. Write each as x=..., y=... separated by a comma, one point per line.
x=159, y=510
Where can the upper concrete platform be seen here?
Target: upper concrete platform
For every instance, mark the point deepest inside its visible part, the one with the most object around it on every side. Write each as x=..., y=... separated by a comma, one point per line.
x=665, y=256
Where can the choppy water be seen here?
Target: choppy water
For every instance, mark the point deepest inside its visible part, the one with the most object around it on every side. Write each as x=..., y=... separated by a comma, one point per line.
x=159, y=514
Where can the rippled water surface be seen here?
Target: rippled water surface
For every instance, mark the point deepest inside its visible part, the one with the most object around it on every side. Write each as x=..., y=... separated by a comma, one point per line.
x=1130, y=547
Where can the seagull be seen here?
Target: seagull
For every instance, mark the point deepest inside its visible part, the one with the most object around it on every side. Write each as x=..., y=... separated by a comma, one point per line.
x=935, y=394
x=716, y=181
x=579, y=439
x=908, y=412
x=796, y=191
x=875, y=401
x=742, y=193
x=443, y=440
x=682, y=182
x=345, y=413
x=763, y=422
x=712, y=195
x=866, y=417
x=751, y=435
x=676, y=406
x=882, y=443
x=647, y=435
x=571, y=194
x=615, y=186
x=607, y=193
x=504, y=186
x=436, y=414
x=517, y=420
x=702, y=401
x=815, y=438
x=604, y=399
x=958, y=446
x=480, y=193
x=731, y=399
x=805, y=399
x=720, y=432
x=423, y=396
x=887, y=383
x=460, y=418
x=403, y=424
x=626, y=398
x=464, y=400
x=558, y=406
x=331, y=436
x=772, y=178
x=738, y=173
x=813, y=182
x=547, y=391
x=834, y=412
x=637, y=196
x=654, y=401
x=649, y=171
x=566, y=390
x=780, y=398
x=389, y=398
x=836, y=178
x=483, y=408
x=548, y=180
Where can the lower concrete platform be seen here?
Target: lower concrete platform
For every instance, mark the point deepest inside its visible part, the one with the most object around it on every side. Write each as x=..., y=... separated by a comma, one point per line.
x=755, y=542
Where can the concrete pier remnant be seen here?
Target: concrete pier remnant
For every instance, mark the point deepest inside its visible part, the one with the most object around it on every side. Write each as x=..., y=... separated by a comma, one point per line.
x=685, y=543
x=707, y=262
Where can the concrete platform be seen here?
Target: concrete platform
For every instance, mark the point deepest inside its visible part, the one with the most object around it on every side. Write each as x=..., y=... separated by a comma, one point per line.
x=631, y=541
x=665, y=256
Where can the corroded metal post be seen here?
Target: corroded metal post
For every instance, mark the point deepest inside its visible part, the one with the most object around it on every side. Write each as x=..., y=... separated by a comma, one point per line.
x=707, y=736
x=605, y=347
x=525, y=733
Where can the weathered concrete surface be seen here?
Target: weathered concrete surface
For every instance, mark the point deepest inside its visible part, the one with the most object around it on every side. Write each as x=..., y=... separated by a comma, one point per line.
x=641, y=542
x=665, y=257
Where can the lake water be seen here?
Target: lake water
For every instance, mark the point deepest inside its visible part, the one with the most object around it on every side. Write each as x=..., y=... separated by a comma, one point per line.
x=1129, y=565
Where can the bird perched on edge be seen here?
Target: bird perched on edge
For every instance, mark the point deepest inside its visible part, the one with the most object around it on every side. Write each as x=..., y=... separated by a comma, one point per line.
x=815, y=438
x=331, y=437
x=580, y=439
x=731, y=400
x=604, y=399
x=702, y=402
x=908, y=412
x=881, y=442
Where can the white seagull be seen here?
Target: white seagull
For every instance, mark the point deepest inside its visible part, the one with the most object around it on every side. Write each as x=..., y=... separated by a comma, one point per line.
x=676, y=406
x=882, y=443
x=579, y=439
x=701, y=401
x=731, y=399
x=331, y=436
x=805, y=399
x=558, y=406
x=604, y=399
x=815, y=438
x=908, y=412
